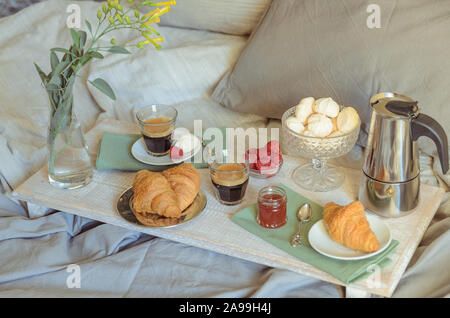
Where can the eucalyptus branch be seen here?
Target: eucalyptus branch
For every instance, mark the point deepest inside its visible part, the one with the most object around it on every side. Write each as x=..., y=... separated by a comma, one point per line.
x=79, y=54
x=64, y=70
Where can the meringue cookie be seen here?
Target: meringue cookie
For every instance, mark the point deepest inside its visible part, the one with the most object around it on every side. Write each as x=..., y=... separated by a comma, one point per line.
x=186, y=142
x=336, y=133
x=308, y=133
x=295, y=124
x=347, y=120
x=320, y=125
x=334, y=121
x=304, y=109
x=327, y=106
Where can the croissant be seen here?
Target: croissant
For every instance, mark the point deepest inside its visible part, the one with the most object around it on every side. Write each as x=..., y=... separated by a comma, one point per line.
x=153, y=194
x=166, y=194
x=185, y=181
x=348, y=226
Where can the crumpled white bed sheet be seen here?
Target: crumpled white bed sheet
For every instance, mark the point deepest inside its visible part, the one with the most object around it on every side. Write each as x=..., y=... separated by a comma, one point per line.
x=116, y=262
x=37, y=245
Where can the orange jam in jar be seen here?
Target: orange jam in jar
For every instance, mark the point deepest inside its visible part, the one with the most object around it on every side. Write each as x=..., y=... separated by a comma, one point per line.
x=272, y=203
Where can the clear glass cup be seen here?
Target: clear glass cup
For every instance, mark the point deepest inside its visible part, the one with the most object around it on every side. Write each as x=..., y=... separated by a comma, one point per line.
x=229, y=178
x=317, y=176
x=157, y=123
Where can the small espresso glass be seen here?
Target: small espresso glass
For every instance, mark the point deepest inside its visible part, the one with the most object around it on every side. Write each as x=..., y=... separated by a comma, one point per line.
x=272, y=202
x=157, y=123
x=229, y=178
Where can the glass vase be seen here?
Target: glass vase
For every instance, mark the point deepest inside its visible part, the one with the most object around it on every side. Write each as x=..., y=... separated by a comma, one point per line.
x=69, y=163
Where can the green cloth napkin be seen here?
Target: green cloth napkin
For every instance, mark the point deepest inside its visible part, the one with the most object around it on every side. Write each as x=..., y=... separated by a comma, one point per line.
x=115, y=153
x=347, y=271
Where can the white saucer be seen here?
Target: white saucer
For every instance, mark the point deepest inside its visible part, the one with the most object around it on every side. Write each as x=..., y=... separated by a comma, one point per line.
x=321, y=241
x=138, y=150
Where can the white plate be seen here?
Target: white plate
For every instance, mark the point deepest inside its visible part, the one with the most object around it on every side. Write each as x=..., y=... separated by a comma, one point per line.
x=321, y=241
x=138, y=150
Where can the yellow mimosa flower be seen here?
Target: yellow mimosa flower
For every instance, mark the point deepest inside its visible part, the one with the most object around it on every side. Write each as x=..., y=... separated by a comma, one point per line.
x=162, y=11
x=145, y=35
x=150, y=13
x=151, y=29
x=153, y=41
x=173, y=2
x=152, y=20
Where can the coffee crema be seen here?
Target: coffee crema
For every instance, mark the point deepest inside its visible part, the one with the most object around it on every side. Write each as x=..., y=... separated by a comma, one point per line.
x=157, y=133
x=230, y=182
x=158, y=127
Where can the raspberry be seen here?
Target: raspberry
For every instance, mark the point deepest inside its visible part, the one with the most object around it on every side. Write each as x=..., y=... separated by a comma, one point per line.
x=273, y=147
x=251, y=155
x=175, y=152
x=264, y=156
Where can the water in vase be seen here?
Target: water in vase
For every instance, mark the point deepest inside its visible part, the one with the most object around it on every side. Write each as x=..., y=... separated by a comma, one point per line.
x=71, y=165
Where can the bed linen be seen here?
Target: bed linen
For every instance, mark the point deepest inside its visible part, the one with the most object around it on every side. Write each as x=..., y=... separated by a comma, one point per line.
x=226, y=16
x=38, y=244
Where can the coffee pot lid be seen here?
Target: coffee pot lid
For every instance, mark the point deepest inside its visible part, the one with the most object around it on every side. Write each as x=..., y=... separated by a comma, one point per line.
x=395, y=106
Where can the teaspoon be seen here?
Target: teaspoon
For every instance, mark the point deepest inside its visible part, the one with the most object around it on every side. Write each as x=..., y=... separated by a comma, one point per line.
x=303, y=215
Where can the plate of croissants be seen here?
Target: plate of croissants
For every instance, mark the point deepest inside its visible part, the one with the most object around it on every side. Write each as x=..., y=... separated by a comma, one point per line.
x=163, y=199
x=347, y=233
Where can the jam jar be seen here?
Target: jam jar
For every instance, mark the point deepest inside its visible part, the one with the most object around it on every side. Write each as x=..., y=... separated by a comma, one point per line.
x=272, y=203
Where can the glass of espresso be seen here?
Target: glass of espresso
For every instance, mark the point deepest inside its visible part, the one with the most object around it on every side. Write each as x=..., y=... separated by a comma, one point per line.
x=230, y=181
x=157, y=123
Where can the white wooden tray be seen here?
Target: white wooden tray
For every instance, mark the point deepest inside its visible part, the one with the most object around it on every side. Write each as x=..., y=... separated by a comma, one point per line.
x=215, y=231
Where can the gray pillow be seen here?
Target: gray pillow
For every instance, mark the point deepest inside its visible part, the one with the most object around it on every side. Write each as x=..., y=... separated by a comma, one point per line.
x=237, y=17
x=326, y=48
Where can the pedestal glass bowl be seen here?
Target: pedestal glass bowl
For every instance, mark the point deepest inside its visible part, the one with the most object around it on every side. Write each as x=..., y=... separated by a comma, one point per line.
x=317, y=176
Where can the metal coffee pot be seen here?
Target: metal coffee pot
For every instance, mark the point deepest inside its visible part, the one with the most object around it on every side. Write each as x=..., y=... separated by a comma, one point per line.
x=390, y=182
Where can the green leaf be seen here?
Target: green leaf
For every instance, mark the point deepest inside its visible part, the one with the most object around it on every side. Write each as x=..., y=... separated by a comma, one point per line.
x=61, y=118
x=68, y=90
x=103, y=87
x=118, y=50
x=60, y=49
x=54, y=61
x=42, y=75
x=73, y=50
x=55, y=80
x=75, y=37
x=85, y=59
x=82, y=38
x=57, y=72
x=89, y=26
x=96, y=55
x=61, y=67
x=52, y=87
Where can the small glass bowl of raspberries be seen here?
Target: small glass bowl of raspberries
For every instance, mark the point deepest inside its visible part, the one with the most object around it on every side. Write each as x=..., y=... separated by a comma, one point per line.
x=265, y=162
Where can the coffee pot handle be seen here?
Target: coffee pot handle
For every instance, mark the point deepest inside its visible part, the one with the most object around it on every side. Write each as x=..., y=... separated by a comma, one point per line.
x=424, y=125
